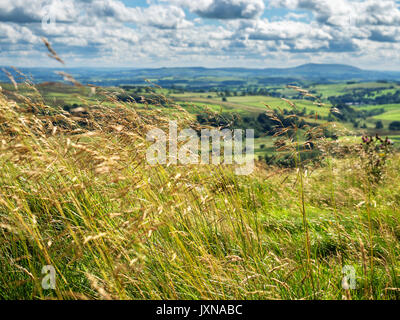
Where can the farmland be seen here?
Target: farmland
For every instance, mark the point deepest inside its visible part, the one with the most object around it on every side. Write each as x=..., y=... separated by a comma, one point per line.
x=247, y=102
x=220, y=151
x=122, y=229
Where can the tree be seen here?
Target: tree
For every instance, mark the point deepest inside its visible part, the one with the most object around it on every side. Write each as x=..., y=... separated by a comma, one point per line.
x=379, y=125
x=395, y=126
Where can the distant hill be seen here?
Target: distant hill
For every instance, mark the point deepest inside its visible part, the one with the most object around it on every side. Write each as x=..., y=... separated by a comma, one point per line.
x=314, y=71
x=326, y=68
x=211, y=77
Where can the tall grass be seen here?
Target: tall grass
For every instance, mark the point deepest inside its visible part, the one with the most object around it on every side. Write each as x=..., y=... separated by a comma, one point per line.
x=77, y=193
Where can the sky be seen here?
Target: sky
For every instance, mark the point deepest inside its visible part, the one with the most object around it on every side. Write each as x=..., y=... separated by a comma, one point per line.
x=208, y=33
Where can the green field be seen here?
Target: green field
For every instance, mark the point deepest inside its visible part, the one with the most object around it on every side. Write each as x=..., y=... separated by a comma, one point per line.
x=77, y=194
x=257, y=104
x=252, y=104
x=342, y=88
x=197, y=102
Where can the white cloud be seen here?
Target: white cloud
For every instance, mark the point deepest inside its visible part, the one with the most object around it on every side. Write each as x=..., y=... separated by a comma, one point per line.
x=13, y=33
x=285, y=30
x=345, y=12
x=164, y=17
x=201, y=32
x=20, y=11
x=224, y=9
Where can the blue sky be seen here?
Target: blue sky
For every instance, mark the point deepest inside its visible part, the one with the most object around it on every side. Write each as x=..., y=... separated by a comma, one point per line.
x=210, y=33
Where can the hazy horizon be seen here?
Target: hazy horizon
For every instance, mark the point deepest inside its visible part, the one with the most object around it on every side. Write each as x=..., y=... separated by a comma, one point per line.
x=194, y=67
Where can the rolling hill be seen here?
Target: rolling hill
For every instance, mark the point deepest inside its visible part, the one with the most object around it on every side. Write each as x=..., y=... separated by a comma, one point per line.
x=211, y=77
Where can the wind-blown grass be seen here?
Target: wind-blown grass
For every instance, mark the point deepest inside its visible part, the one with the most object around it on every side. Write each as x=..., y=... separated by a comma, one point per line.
x=77, y=193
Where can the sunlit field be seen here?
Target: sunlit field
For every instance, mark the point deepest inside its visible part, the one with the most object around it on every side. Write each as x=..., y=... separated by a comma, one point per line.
x=77, y=193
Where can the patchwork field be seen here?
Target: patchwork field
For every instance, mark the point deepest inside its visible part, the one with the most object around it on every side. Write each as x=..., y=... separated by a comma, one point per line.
x=57, y=94
x=77, y=193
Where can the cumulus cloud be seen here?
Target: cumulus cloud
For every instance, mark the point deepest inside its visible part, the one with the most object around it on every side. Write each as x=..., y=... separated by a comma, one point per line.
x=344, y=12
x=90, y=11
x=228, y=9
x=384, y=34
x=13, y=33
x=224, y=9
x=211, y=32
x=164, y=17
x=20, y=11
x=285, y=30
x=295, y=36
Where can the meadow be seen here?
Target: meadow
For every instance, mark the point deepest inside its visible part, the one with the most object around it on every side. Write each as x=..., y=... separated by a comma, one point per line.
x=252, y=105
x=77, y=193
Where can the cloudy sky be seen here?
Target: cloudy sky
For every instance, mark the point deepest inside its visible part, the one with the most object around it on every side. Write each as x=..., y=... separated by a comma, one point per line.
x=211, y=33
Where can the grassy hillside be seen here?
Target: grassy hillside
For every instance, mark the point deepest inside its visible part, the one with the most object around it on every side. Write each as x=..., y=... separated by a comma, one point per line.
x=77, y=193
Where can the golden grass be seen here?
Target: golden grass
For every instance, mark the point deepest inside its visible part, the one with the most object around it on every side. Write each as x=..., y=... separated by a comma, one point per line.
x=77, y=193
